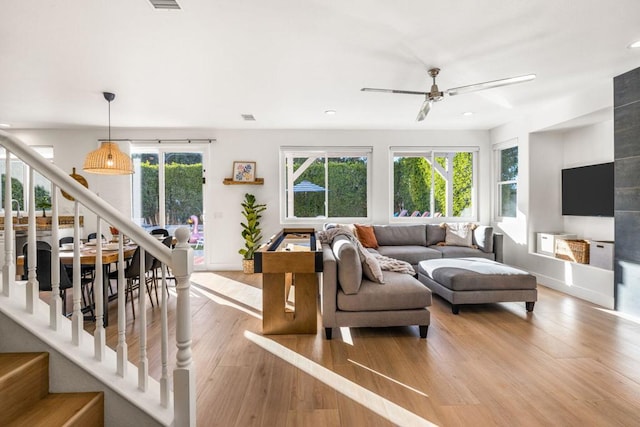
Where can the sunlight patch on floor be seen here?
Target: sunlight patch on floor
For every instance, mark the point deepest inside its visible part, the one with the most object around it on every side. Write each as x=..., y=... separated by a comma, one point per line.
x=415, y=390
x=245, y=298
x=346, y=335
x=378, y=404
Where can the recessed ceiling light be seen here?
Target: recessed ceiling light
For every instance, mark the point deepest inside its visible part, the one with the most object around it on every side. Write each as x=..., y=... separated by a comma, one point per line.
x=5, y=125
x=330, y=112
x=635, y=45
x=468, y=113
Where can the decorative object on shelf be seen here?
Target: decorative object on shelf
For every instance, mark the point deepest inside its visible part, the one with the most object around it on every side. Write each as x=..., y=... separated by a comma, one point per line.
x=108, y=159
x=244, y=171
x=251, y=231
x=573, y=250
x=78, y=178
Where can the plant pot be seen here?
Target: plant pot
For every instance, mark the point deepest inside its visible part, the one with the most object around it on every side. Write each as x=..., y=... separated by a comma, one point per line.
x=247, y=266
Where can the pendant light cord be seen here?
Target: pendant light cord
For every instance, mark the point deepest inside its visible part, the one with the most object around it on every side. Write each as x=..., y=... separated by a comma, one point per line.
x=110, y=155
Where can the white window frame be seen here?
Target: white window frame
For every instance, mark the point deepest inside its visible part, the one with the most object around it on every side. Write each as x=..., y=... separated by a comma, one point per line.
x=431, y=153
x=45, y=151
x=497, y=172
x=161, y=150
x=286, y=175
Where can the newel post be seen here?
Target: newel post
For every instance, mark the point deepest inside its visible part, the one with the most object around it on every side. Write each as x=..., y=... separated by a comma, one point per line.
x=184, y=385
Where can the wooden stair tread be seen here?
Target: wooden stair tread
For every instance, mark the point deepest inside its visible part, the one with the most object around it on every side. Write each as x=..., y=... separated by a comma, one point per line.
x=64, y=409
x=24, y=379
x=12, y=361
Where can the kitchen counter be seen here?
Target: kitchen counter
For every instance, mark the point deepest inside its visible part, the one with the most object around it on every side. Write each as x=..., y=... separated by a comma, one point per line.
x=42, y=223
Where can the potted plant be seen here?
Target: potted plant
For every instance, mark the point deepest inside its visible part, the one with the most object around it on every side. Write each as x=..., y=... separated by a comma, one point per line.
x=251, y=231
x=43, y=201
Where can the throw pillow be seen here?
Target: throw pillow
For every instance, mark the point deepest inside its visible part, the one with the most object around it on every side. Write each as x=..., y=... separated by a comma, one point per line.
x=366, y=235
x=435, y=234
x=371, y=268
x=459, y=234
x=349, y=227
x=349, y=266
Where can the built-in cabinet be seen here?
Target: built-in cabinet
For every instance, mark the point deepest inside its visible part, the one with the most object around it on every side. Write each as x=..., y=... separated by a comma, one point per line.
x=550, y=152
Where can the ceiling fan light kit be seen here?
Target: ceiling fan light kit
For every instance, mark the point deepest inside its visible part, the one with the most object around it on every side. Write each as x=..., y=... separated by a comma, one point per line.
x=435, y=95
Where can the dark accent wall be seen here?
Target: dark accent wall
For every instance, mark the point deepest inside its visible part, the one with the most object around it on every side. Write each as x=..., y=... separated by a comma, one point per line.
x=626, y=113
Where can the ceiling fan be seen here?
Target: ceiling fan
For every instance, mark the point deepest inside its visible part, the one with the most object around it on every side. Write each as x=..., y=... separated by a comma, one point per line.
x=435, y=95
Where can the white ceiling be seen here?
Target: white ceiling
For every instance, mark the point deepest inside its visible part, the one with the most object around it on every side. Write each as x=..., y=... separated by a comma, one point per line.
x=287, y=61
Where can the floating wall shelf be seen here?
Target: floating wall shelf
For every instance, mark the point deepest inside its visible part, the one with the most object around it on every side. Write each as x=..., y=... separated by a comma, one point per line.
x=230, y=181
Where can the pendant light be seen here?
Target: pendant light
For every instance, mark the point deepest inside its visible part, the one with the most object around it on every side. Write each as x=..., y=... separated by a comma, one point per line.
x=108, y=159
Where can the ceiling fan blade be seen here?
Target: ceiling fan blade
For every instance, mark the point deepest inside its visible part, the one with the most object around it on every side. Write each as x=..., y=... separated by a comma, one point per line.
x=424, y=110
x=406, y=92
x=489, y=85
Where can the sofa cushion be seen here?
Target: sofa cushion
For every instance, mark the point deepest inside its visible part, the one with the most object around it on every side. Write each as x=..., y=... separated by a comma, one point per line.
x=366, y=235
x=402, y=292
x=400, y=235
x=461, y=252
x=435, y=234
x=483, y=238
x=349, y=265
x=411, y=254
x=371, y=267
x=475, y=274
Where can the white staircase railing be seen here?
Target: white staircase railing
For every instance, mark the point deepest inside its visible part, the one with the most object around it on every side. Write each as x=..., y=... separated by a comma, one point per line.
x=179, y=259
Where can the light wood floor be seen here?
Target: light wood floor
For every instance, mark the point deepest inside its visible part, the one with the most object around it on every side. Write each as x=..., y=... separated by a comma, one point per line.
x=568, y=363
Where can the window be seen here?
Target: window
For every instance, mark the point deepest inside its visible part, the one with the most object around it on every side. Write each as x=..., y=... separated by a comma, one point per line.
x=507, y=180
x=430, y=184
x=20, y=181
x=325, y=183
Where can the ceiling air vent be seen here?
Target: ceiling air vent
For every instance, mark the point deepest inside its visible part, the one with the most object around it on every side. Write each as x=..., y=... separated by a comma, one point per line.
x=165, y=4
x=248, y=118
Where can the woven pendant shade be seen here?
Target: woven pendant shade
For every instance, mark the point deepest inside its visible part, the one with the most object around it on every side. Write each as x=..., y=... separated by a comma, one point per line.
x=108, y=160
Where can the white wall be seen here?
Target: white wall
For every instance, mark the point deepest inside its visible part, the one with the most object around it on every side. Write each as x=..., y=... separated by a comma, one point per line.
x=222, y=202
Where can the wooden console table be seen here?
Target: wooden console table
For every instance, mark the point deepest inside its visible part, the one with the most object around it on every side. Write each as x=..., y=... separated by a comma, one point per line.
x=290, y=263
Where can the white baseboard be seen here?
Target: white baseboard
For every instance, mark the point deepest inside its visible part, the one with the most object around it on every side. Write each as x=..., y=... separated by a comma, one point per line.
x=603, y=300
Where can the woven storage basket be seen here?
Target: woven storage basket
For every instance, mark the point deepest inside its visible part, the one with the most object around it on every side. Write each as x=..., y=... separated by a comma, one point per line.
x=573, y=250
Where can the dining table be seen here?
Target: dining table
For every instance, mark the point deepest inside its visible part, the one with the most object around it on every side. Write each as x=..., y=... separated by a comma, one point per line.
x=88, y=252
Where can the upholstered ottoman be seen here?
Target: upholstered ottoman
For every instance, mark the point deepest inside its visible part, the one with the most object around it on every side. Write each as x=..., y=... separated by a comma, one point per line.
x=477, y=281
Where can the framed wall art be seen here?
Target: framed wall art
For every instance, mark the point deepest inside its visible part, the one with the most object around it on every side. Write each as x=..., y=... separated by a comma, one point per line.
x=244, y=171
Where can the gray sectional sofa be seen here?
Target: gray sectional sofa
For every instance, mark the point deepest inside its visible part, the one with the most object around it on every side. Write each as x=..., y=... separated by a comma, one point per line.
x=350, y=298
x=419, y=242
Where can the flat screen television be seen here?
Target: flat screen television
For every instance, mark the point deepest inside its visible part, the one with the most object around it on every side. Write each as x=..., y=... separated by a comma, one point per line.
x=588, y=190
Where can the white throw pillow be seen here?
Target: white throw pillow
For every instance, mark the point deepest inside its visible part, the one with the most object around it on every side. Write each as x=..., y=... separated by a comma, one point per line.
x=459, y=234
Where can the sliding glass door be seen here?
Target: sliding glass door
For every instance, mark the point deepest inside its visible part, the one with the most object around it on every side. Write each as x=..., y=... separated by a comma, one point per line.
x=168, y=190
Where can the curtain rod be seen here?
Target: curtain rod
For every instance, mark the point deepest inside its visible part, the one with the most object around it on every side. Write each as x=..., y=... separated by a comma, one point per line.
x=160, y=141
